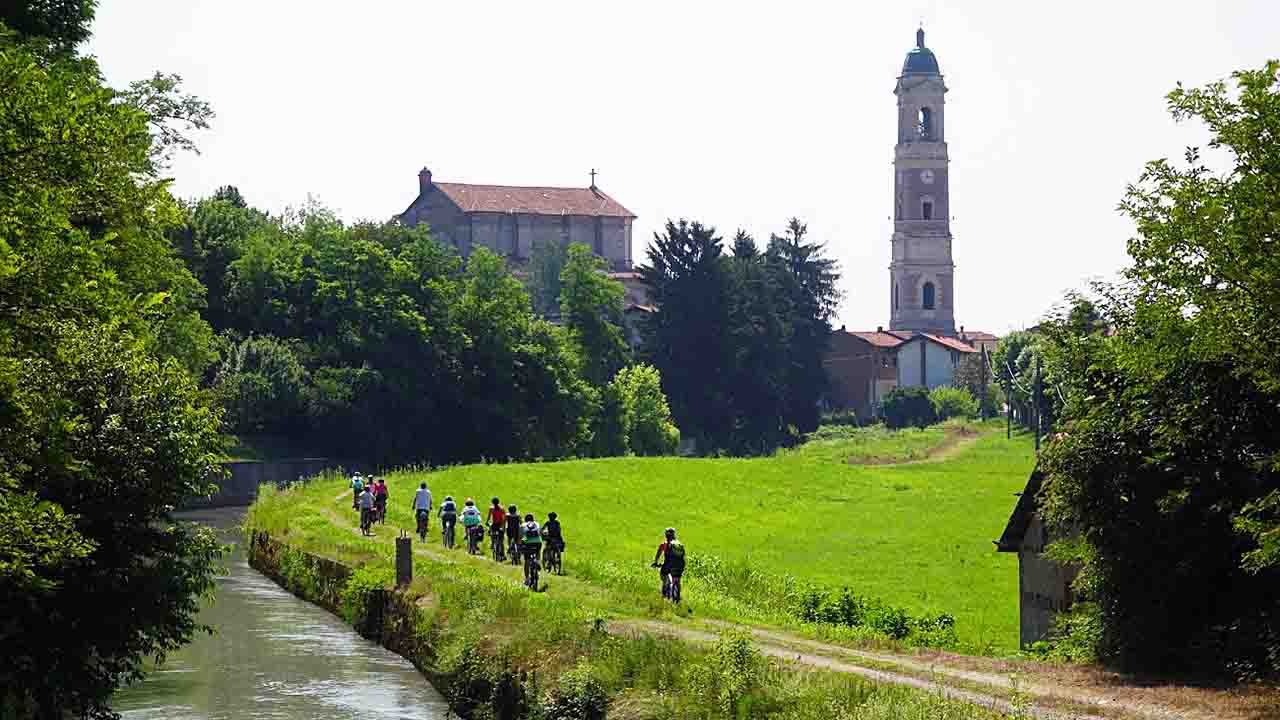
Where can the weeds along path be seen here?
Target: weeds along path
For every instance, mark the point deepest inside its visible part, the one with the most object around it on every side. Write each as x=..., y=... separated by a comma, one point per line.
x=1013, y=688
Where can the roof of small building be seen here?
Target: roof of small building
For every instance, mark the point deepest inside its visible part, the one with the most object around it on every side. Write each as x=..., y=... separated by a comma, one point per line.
x=881, y=338
x=1011, y=539
x=947, y=342
x=978, y=335
x=533, y=200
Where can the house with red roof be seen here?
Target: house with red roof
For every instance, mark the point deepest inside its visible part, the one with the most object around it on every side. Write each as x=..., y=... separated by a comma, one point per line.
x=512, y=220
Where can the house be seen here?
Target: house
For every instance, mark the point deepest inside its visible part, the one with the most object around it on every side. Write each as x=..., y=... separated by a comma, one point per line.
x=512, y=220
x=979, y=340
x=1044, y=586
x=862, y=368
x=929, y=361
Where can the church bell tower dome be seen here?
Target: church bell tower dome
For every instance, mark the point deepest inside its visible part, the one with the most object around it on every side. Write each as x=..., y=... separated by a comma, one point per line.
x=920, y=60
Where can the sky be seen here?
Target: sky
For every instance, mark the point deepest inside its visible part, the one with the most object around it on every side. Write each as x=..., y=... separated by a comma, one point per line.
x=738, y=114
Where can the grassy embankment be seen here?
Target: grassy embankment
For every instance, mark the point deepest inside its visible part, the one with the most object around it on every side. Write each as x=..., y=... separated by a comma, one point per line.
x=834, y=512
x=480, y=626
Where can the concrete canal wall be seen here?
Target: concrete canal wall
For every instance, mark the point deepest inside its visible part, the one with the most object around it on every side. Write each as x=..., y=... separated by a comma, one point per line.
x=240, y=485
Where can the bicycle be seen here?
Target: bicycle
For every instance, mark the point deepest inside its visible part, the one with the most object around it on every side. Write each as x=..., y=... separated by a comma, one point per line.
x=513, y=550
x=551, y=559
x=531, y=571
x=423, y=517
x=670, y=586
x=446, y=533
x=474, y=535
x=497, y=545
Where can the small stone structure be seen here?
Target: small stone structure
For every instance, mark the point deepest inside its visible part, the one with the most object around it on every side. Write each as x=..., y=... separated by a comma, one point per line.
x=240, y=485
x=1044, y=586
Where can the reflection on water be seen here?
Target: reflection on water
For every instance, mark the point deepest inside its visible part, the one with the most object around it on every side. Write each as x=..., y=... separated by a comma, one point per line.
x=275, y=656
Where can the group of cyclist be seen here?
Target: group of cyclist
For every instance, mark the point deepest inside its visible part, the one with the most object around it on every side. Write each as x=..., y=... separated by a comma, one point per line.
x=511, y=538
x=515, y=539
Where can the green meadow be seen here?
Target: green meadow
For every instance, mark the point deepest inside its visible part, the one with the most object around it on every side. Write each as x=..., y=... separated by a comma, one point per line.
x=906, y=517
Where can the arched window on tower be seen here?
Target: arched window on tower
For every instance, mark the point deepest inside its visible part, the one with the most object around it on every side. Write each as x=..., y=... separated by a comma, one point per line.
x=924, y=123
x=928, y=296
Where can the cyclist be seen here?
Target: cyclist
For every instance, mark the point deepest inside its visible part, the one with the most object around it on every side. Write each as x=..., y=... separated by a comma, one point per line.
x=671, y=552
x=497, y=520
x=357, y=484
x=448, y=514
x=513, y=533
x=471, y=520
x=366, y=510
x=380, y=499
x=422, y=509
x=530, y=544
x=552, y=534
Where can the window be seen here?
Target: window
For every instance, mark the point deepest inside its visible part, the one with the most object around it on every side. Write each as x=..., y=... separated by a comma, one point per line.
x=928, y=296
x=895, y=296
x=926, y=209
x=924, y=127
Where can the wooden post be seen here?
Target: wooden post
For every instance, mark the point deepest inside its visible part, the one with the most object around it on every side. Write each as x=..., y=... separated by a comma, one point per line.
x=404, y=559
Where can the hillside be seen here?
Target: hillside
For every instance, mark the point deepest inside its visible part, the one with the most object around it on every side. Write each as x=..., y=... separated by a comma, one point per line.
x=847, y=512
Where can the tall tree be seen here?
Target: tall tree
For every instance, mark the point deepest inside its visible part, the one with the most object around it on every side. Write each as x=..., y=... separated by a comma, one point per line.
x=760, y=333
x=809, y=295
x=62, y=24
x=591, y=308
x=1168, y=464
x=689, y=338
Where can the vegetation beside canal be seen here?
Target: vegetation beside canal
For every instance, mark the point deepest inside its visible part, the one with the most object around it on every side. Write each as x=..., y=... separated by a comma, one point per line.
x=496, y=650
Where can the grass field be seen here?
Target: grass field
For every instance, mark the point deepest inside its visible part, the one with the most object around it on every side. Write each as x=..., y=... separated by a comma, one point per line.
x=839, y=512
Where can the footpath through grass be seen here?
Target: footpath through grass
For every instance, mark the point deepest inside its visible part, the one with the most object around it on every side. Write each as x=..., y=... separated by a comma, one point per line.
x=915, y=534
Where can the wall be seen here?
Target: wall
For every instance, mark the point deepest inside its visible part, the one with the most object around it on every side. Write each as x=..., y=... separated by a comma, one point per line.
x=1044, y=586
x=939, y=364
x=240, y=486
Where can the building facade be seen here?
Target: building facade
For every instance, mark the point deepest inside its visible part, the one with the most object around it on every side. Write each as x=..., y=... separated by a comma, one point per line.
x=513, y=220
x=921, y=273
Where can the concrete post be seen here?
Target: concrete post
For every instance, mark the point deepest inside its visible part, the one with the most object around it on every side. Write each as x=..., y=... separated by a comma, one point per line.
x=404, y=559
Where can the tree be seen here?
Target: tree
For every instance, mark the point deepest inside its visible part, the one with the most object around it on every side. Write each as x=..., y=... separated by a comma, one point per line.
x=1166, y=473
x=645, y=414
x=545, y=266
x=950, y=402
x=809, y=296
x=263, y=387
x=760, y=335
x=973, y=375
x=689, y=338
x=591, y=308
x=61, y=23
x=908, y=407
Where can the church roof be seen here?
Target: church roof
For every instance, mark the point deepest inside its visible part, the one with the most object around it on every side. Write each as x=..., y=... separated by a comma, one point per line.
x=533, y=200
x=920, y=61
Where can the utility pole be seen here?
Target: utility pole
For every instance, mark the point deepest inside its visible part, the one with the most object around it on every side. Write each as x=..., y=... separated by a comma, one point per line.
x=1035, y=399
x=982, y=401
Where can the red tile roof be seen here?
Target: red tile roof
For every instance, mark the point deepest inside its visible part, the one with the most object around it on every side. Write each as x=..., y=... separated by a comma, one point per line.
x=533, y=200
x=977, y=335
x=950, y=342
x=880, y=339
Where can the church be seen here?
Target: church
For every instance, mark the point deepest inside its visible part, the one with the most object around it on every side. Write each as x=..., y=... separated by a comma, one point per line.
x=512, y=220
x=921, y=347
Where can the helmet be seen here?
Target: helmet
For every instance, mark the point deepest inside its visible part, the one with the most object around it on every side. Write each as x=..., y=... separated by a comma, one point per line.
x=496, y=502
x=448, y=498
x=528, y=518
x=423, y=486
x=511, y=509
x=470, y=502
x=551, y=516
x=671, y=532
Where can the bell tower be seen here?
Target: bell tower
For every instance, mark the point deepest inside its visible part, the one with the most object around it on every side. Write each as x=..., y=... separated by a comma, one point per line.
x=921, y=274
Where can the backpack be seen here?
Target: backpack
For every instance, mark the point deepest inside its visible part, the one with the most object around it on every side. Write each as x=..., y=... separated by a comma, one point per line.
x=675, y=552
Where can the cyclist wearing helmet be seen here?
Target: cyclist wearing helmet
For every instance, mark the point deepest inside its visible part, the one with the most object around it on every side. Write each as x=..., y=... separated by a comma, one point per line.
x=497, y=520
x=671, y=552
x=530, y=539
x=448, y=513
x=422, y=504
x=551, y=532
x=513, y=525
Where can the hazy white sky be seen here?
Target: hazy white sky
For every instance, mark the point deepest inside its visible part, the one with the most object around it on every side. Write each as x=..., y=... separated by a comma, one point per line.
x=739, y=114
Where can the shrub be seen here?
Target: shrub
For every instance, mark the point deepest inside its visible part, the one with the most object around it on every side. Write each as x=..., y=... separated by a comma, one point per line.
x=580, y=695
x=907, y=406
x=949, y=402
x=646, y=416
x=363, y=582
x=263, y=387
x=728, y=674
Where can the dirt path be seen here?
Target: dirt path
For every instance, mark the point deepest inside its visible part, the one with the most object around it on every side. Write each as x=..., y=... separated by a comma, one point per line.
x=1048, y=692
x=954, y=440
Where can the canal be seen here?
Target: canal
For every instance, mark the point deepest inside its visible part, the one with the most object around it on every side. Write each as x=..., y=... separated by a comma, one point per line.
x=275, y=656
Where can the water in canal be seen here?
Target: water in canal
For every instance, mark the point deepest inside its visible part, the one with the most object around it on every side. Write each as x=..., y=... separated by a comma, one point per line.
x=275, y=656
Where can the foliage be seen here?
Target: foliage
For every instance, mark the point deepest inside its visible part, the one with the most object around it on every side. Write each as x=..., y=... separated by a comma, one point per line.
x=740, y=340
x=908, y=406
x=263, y=387
x=546, y=263
x=645, y=416
x=952, y=402
x=976, y=375
x=1167, y=468
x=364, y=581
x=1075, y=638
x=103, y=430
x=63, y=24
x=591, y=308
x=579, y=695
x=727, y=675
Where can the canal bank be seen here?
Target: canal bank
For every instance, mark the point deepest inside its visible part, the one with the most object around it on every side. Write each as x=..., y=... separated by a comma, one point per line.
x=274, y=655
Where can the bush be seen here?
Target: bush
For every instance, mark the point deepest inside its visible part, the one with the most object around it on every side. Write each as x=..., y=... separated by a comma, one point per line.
x=907, y=406
x=949, y=402
x=646, y=417
x=263, y=387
